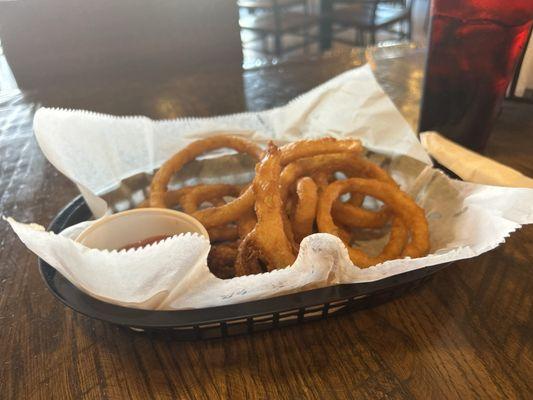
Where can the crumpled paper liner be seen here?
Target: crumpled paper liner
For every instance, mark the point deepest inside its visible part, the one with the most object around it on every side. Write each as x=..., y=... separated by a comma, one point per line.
x=465, y=219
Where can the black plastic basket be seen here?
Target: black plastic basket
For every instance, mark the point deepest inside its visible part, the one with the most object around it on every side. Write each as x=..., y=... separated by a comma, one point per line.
x=235, y=319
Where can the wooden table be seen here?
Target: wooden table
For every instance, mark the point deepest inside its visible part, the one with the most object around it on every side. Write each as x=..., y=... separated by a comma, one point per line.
x=465, y=334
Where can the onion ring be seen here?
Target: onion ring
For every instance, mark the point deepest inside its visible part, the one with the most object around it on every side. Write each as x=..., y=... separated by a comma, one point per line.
x=223, y=233
x=406, y=215
x=304, y=214
x=309, y=148
x=351, y=165
x=162, y=177
x=172, y=197
x=221, y=260
x=217, y=202
x=269, y=234
x=323, y=180
x=306, y=148
x=290, y=203
x=268, y=240
x=246, y=223
x=202, y=193
x=356, y=199
x=247, y=261
x=357, y=217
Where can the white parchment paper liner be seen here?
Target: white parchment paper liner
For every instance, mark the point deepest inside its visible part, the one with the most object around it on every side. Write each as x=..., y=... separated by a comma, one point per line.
x=97, y=151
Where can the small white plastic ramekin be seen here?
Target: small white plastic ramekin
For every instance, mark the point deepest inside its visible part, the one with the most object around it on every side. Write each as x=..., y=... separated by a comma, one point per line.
x=124, y=228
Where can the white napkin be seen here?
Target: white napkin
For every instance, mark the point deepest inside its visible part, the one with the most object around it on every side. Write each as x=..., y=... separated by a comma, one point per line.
x=97, y=151
x=471, y=166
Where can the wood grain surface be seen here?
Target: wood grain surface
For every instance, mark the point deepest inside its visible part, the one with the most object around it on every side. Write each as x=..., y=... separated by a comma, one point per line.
x=466, y=334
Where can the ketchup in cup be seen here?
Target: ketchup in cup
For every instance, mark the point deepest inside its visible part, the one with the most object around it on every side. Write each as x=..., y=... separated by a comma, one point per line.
x=145, y=242
x=473, y=51
x=137, y=228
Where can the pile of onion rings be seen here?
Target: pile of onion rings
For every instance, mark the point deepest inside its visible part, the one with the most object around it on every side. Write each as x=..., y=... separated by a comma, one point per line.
x=297, y=190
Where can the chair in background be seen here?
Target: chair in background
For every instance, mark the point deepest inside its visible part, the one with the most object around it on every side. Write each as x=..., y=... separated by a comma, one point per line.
x=368, y=17
x=275, y=19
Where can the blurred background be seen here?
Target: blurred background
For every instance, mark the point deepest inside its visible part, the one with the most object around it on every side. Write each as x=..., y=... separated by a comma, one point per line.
x=53, y=41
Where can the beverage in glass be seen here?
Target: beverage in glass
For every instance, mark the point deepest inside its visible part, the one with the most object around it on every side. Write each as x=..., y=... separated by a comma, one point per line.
x=473, y=51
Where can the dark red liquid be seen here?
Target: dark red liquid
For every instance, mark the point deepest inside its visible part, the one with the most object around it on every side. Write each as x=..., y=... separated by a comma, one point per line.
x=473, y=51
x=145, y=242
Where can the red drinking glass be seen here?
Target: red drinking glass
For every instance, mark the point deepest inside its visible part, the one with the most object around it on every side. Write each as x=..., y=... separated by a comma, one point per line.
x=473, y=51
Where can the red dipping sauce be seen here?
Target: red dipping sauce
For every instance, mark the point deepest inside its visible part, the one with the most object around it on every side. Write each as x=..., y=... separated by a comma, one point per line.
x=145, y=242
